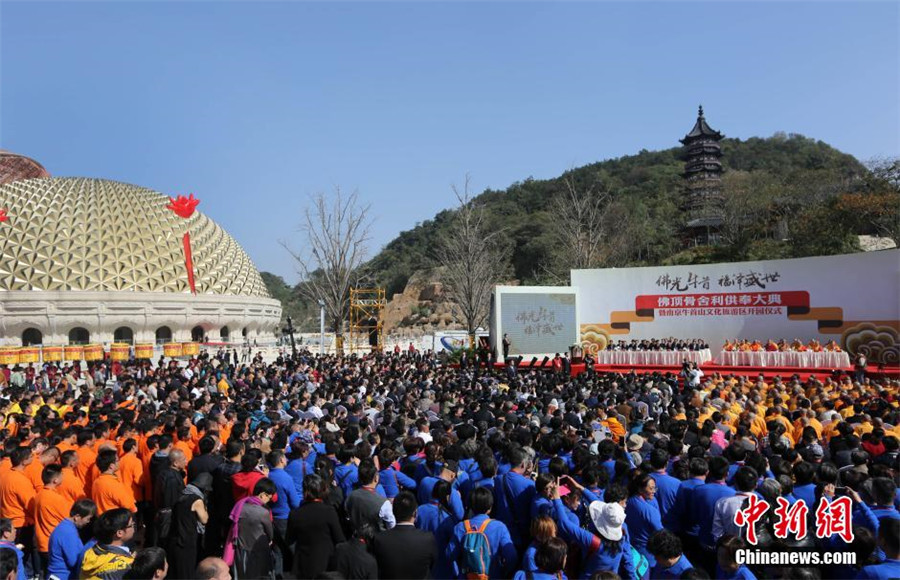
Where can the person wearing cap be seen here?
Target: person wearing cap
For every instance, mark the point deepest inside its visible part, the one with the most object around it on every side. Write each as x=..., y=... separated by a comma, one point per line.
x=608, y=550
x=189, y=519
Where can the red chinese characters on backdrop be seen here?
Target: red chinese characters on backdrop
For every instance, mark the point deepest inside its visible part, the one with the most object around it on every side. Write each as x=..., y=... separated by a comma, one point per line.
x=184, y=207
x=832, y=518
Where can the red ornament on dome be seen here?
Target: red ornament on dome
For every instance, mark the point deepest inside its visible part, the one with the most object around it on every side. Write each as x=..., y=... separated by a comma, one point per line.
x=184, y=207
x=3, y=216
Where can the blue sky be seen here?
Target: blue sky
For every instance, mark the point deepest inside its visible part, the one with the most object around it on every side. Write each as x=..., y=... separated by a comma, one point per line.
x=255, y=106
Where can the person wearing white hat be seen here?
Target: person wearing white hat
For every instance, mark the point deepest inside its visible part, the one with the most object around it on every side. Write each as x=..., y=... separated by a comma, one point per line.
x=609, y=549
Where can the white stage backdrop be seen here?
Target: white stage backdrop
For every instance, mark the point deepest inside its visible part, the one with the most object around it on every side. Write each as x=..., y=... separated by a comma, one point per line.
x=540, y=320
x=853, y=299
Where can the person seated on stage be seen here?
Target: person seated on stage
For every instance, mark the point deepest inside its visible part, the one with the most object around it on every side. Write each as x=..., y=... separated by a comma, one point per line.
x=814, y=346
x=783, y=346
x=798, y=346
x=728, y=347
x=744, y=346
x=832, y=346
x=756, y=346
x=771, y=346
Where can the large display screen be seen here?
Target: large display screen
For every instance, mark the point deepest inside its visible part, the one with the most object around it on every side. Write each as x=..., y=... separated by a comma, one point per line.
x=542, y=322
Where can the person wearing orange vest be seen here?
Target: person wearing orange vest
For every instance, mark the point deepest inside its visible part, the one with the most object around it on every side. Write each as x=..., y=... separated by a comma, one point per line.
x=184, y=443
x=47, y=457
x=71, y=487
x=108, y=492
x=131, y=471
x=86, y=457
x=50, y=508
x=17, y=502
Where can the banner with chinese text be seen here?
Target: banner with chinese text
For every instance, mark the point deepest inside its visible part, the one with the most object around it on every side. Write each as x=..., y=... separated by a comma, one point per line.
x=852, y=299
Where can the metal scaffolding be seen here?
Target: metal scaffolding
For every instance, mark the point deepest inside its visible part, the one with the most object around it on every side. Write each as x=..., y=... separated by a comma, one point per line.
x=366, y=306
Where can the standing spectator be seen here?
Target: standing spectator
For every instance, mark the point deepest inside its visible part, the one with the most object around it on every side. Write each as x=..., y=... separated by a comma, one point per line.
x=189, y=519
x=212, y=569
x=108, y=491
x=109, y=558
x=313, y=529
x=50, y=508
x=287, y=499
x=703, y=507
x=166, y=491
x=500, y=550
x=642, y=513
x=65, y=546
x=745, y=481
x=150, y=564
x=253, y=532
x=352, y=559
x=670, y=561
x=222, y=499
x=17, y=503
x=9, y=549
x=515, y=493
x=609, y=550
x=365, y=505
x=404, y=551
x=550, y=560
x=727, y=567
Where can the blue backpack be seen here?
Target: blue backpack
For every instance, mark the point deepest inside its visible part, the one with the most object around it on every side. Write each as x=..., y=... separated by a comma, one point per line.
x=476, y=551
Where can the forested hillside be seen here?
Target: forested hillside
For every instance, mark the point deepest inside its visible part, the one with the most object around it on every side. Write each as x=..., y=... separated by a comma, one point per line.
x=787, y=196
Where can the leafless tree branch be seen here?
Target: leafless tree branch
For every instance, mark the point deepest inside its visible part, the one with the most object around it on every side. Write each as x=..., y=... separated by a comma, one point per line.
x=336, y=231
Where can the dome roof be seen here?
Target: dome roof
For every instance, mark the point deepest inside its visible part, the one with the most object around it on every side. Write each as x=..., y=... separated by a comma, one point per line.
x=98, y=235
x=14, y=167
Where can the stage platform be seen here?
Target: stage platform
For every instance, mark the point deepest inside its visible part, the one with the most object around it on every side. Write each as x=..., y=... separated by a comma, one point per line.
x=710, y=368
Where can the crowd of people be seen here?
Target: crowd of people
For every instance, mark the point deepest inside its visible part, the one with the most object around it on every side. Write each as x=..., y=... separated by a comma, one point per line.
x=653, y=344
x=399, y=465
x=797, y=345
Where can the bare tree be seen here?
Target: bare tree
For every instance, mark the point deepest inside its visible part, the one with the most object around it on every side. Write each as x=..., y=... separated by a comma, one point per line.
x=578, y=221
x=472, y=261
x=336, y=230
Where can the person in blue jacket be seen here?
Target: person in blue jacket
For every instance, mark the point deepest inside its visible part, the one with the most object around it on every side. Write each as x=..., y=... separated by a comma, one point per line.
x=542, y=529
x=440, y=516
x=671, y=562
x=503, y=551
x=678, y=517
x=666, y=485
x=804, y=486
x=727, y=567
x=609, y=550
x=643, y=513
x=514, y=492
x=65, y=548
x=889, y=542
x=7, y=542
x=346, y=474
x=550, y=560
x=392, y=479
x=287, y=499
x=298, y=463
x=703, y=502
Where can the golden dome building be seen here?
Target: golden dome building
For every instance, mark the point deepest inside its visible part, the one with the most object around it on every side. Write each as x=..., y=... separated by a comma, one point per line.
x=98, y=261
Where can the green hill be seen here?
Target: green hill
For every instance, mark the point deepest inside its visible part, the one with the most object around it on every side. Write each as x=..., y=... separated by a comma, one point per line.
x=804, y=198
x=645, y=192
